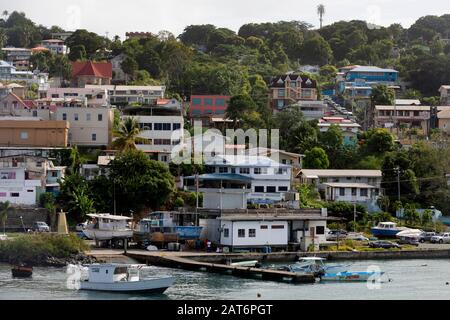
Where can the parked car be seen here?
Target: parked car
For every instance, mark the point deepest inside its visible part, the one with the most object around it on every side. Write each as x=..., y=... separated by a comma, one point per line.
x=333, y=235
x=40, y=226
x=384, y=244
x=409, y=240
x=441, y=238
x=426, y=236
x=357, y=237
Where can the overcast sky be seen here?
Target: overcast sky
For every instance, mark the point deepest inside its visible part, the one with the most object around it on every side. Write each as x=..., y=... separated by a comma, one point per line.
x=120, y=16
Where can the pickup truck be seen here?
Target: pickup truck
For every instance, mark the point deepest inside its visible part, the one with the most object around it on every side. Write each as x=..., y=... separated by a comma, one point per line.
x=441, y=238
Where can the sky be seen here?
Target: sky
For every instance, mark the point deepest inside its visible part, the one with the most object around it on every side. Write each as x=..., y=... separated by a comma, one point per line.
x=116, y=17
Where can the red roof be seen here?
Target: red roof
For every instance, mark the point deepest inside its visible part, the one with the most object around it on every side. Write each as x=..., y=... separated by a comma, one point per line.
x=30, y=104
x=89, y=68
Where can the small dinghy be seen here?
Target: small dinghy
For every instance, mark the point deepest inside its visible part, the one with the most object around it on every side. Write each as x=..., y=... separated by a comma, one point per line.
x=22, y=271
x=122, y=278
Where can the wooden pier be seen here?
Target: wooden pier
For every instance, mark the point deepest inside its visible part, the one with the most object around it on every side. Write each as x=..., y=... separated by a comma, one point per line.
x=185, y=263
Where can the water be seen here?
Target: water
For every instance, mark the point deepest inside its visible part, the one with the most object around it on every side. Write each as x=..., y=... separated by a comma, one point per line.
x=411, y=279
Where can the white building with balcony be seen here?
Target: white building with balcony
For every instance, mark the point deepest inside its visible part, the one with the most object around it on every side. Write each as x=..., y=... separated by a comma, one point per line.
x=162, y=128
x=16, y=188
x=126, y=95
x=89, y=97
x=56, y=46
x=397, y=116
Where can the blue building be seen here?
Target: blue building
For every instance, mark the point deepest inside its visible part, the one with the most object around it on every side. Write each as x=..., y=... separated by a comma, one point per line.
x=372, y=74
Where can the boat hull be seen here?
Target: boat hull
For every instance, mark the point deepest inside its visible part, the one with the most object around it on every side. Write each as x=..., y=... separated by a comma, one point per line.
x=377, y=232
x=22, y=272
x=102, y=235
x=144, y=286
x=351, y=276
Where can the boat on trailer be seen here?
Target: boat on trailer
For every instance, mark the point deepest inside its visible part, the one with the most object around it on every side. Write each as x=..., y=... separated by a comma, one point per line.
x=123, y=279
x=107, y=227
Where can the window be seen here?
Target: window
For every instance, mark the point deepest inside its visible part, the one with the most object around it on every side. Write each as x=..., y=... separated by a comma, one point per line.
x=220, y=102
x=35, y=114
x=54, y=174
x=279, y=227
x=158, y=126
x=24, y=135
x=30, y=191
x=88, y=117
x=342, y=192
x=75, y=116
x=2, y=194
x=15, y=194
x=100, y=117
x=354, y=190
x=264, y=227
x=363, y=193
x=244, y=170
x=226, y=233
x=241, y=233
x=282, y=189
x=259, y=189
x=167, y=127
x=164, y=158
x=223, y=170
x=176, y=126
x=233, y=170
x=64, y=116
x=39, y=164
x=55, y=96
x=94, y=137
x=271, y=189
x=208, y=102
x=196, y=102
x=320, y=230
x=257, y=171
x=280, y=93
x=252, y=233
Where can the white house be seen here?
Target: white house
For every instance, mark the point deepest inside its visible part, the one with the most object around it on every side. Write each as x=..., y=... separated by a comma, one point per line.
x=17, y=188
x=356, y=186
x=89, y=97
x=270, y=180
x=275, y=229
x=57, y=46
x=125, y=95
x=445, y=95
x=162, y=128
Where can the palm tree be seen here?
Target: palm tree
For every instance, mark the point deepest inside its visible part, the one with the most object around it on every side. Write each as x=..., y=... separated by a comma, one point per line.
x=321, y=13
x=5, y=207
x=5, y=14
x=127, y=134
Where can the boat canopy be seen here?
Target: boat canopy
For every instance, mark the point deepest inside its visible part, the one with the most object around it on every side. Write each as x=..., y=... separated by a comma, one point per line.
x=108, y=216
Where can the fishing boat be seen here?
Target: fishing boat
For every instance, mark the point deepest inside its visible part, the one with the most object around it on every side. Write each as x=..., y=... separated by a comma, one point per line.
x=352, y=276
x=122, y=278
x=107, y=227
x=165, y=227
x=317, y=265
x=22, y=271
x=387, y=229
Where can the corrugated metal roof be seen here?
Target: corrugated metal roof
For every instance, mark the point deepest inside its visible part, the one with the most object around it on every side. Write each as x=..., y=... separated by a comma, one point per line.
x=349, y=185
x=340, y=173
x=221, y=176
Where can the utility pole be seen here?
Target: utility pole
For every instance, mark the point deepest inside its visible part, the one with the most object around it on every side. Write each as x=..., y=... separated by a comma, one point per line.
x=398, y=182
x=114, y=183
x=354, y=217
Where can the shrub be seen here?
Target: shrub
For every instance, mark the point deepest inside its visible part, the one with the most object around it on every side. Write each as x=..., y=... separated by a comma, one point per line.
x=179, y=203
x=36, y=248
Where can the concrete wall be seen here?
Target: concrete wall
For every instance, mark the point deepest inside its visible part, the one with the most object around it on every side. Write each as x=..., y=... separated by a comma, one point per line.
x=229, y=199
x=29, y=216
x=211, y=230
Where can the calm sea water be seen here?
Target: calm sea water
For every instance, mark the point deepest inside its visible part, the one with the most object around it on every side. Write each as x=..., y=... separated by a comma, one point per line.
x=410, y=279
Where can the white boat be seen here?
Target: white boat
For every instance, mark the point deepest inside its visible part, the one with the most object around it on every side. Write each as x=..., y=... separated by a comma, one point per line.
x=122, y=278
x=352, y=276
x=3, y=237
x=108, y=227
x=317, y=265
x=251, y=263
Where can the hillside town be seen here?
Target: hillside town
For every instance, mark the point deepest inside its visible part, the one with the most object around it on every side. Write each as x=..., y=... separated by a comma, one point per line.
x=91, y=125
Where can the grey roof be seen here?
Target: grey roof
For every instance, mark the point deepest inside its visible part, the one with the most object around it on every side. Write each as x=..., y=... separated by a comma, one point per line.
x=313, y=173
x=273, y=217
x=349, y=185
x=222, y=177
x=371, y=69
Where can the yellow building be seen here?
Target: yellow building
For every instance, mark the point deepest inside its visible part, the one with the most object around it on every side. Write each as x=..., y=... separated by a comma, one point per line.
x=32, y=132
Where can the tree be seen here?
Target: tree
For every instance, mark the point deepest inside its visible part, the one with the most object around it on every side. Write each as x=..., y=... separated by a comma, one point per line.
x=127, y=134
x=140, y=182
x=78, y=52
x=332, y=141
x=47, y=200
x=376, y=142
x=382, y=95
x=316, y=158
x=5, y=208
x=239, y=106
x=75, y=196
x=321, y=13
x=316, y=50
x=130, y=66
